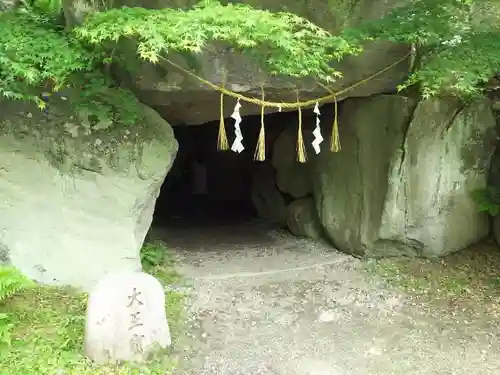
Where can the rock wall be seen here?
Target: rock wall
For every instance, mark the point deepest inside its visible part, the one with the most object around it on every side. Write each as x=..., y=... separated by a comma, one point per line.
x=493, y=191
x=266, y=197
x=401, y=184
x=445, y=156
x=77, y=197
x=350, y=186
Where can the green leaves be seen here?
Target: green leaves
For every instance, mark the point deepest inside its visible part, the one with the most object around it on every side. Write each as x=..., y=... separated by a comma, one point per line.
x=284, y=43
x=460, y=67
x=12, y=281
x=33, y=55
x=48, y=7
x=423, y=22
x=6, y=328
x=487, y=200
x=98, y=97
x=458, y=44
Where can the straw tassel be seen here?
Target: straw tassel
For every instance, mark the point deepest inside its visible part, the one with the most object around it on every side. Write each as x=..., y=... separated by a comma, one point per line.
x=335, y=140
x=301, y=147
x=260, y=150
x=222, y=142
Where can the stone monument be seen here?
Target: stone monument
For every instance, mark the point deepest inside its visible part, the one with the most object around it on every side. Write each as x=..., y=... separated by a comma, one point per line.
x=126, y=319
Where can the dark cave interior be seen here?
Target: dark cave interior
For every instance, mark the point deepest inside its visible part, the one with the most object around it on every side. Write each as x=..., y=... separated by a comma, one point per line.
x=206, y=185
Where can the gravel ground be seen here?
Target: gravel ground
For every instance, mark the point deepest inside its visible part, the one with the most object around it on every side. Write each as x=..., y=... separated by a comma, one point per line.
x=264, y=302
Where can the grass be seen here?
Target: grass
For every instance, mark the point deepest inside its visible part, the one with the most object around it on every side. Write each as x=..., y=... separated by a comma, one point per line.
x=43, y=328
x=468, y=281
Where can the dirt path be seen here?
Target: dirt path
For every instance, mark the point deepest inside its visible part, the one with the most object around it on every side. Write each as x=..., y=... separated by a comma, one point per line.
x=264, y=302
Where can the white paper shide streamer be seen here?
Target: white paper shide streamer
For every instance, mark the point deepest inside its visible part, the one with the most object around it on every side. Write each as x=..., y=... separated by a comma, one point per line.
x=237, y=144
x=318, y=138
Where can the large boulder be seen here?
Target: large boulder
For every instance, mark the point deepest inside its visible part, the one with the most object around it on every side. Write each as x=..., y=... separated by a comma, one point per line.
x=78, y=196
x=183, y=100
x=302, y=219
x=266, y=198
x=401, y=184
x=496, y=228
x=292, y=177
x=493, y=193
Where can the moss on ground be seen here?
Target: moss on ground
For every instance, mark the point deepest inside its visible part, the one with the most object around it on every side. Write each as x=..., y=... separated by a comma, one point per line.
x=42, y=329
x=467, y=281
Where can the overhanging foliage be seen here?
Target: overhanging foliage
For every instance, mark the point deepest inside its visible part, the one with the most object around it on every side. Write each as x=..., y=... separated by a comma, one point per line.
x=284, y=43
x=457, y=43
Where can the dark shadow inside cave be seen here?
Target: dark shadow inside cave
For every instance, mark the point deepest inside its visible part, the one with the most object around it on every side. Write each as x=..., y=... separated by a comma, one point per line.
x=206, y=186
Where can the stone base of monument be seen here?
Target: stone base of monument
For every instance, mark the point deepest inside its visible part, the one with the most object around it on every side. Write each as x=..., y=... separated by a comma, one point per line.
x=126, y=319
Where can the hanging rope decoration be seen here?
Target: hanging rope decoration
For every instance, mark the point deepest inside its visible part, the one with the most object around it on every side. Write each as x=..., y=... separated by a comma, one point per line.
x=318, y=138
x=301, y=147
x=222, y=142
x=335, y=140
x=260, y=150
x=238, y=136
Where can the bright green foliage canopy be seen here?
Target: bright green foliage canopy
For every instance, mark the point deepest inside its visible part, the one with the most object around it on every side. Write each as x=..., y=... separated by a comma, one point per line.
x=284, y=43
x=33, y=53
x=456, y=42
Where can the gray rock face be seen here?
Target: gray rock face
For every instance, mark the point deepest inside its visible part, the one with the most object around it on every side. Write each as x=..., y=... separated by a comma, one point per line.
x=266, y=197
x=292, y=177
x=402, y=182
x=303, y=220
x=6, y=5
x=77, y=200
x=126, y=319
x=447, y=150
x=494, y=187
x=496, y=229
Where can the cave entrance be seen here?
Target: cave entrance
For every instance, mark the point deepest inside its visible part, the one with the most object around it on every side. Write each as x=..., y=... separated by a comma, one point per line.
x=208, y=187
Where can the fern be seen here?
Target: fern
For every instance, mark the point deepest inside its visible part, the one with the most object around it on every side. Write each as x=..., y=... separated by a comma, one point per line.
x=6, y=327
x=153, y=255
x=487, y=199
x=12, y=281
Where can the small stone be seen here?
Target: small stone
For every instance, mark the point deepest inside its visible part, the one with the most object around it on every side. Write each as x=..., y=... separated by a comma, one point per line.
x=374, y=351
x=126, y=319
x=326, y=316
